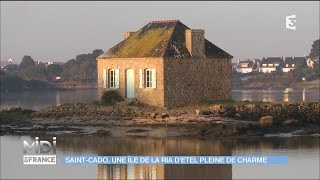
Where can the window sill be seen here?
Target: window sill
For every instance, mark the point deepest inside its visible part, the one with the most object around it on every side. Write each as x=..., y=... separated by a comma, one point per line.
x=149, y=89
x=111, y=88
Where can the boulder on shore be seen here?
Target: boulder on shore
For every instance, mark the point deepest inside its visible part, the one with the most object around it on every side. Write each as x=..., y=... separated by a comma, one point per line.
x=266, y=120
x=291, y=122
x=153, y=115
x=197, y=112
x=164, y=115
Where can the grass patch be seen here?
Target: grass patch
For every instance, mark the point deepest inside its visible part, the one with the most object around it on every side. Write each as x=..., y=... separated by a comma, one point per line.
x=149, y=41
x=14, y=115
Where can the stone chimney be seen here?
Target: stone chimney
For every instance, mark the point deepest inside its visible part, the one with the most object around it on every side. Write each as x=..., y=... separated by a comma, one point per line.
x=127, y=34
x=195, y=42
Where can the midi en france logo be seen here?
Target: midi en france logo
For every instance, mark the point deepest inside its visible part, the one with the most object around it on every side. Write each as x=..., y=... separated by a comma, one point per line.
x=39, y=152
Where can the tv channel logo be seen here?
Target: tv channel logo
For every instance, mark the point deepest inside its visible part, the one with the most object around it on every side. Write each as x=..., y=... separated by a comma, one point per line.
x=39, y=152
x=291, y=22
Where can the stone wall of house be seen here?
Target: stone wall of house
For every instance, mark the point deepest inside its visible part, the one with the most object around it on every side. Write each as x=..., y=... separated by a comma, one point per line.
x=196, y=80
x=151, y=96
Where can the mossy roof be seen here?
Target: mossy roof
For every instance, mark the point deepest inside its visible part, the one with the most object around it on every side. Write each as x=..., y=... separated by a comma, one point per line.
x=160, y=39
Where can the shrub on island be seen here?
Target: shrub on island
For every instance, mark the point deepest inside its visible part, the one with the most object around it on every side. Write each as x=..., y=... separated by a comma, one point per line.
x=111, y=97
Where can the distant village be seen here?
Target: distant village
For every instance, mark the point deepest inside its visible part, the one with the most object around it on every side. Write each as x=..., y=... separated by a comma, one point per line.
x=9, y=65
x=5, y=64
x=266, y=65
x=272, y=64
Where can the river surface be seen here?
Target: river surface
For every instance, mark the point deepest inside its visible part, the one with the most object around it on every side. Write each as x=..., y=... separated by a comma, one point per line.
x=39, y=99
x=303, y=152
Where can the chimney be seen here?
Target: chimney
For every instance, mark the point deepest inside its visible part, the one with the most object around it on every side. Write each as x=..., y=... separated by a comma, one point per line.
x=127, y=34
x=195, y=42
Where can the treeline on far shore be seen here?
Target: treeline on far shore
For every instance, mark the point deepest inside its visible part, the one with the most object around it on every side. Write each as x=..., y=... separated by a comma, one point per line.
x=79, y=72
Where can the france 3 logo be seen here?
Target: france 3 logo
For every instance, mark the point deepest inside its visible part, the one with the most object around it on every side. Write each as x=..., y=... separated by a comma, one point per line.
x=39, y=152
x=291, y=22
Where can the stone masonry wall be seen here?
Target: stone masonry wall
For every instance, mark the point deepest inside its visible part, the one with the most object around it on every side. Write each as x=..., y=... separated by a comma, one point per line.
x=154, y=97
x=196, y=80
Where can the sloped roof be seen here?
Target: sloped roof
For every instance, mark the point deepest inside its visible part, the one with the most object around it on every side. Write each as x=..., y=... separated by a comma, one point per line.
x=160, y=39
x=272, y=60
x=295, y=60
x=249, y=62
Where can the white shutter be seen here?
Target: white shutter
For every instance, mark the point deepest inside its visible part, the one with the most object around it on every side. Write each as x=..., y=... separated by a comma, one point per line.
x=104, y=79
x=154, y=78
x=117, y=77
x=141, y=78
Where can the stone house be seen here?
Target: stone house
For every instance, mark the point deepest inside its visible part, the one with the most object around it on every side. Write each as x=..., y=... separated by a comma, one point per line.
x=166, y=64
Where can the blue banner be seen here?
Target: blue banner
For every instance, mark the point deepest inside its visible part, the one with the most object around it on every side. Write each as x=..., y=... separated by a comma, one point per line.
x=175, y=159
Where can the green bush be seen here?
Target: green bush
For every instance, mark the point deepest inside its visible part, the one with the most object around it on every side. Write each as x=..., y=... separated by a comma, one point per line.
x=111, y=97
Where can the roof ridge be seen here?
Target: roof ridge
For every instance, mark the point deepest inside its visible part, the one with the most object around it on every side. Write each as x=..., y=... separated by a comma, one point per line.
x=165, y=21
x=171, y=38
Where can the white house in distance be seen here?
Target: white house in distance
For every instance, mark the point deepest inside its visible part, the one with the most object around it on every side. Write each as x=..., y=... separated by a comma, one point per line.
x=248, y=66
x=290, y=63
x=6, y=63
x=270, y=64
x=48, y=63
x=311, y=61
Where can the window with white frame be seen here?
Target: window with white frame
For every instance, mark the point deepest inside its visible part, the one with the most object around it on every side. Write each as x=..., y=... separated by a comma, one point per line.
x=148, y=78
x=112, y=78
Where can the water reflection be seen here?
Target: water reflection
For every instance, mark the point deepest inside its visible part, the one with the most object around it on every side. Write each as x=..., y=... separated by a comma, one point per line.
x=160, y=171
x=58, y=101
x=156, y=147
x=172, y=146
x=39, y=99
x=131, y=172
x=287, y=95
x=302, y=151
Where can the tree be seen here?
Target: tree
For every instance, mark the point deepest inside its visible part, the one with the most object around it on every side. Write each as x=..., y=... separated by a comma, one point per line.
x=35, y=73
x=54, y=70
x=12, y=67
x=315, y=49
x=26, y=62
x=82, y=68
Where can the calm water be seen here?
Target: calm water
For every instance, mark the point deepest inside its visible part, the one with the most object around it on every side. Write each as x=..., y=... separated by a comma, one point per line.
x=40, y=99
x=303, y=154
x=299, y=95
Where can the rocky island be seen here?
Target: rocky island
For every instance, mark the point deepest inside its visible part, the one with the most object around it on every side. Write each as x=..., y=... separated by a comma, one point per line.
x=131, y=118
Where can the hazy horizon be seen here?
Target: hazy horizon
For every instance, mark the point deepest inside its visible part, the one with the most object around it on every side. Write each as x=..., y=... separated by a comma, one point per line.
x=58, y=31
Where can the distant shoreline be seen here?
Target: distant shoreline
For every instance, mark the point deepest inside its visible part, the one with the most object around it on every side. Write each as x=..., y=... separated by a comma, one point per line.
x=53, y=87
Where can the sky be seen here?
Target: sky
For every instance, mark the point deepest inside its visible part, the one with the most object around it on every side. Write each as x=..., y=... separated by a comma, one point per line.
x=58, y=31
